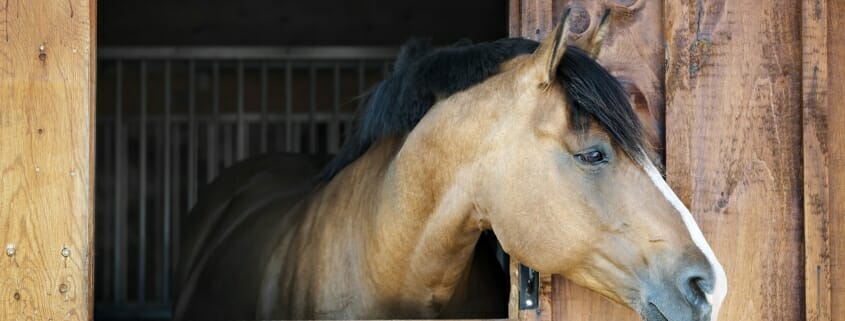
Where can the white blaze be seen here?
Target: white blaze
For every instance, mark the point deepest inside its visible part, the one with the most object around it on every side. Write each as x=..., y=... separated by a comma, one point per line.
x=720, y=288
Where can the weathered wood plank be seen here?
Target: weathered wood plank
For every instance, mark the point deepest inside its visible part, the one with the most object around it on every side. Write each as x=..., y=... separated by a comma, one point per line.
x=531, y=19
x=836, y=169
x=46, y=159
x=814, y=34
x=733, y=146
x=823, y=87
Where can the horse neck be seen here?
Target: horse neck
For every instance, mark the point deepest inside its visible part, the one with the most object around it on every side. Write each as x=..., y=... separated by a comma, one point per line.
x=424, y=230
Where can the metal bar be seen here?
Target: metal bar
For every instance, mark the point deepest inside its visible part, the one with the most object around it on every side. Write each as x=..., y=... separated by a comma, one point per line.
x=176, y=146
x=108, y=166
x=118, y=190
x=312, y=109
x=211, y=159
x=192, y=136
x=166, y=188
x=288, y=107
x=334, y=129
x=361, y=86
x=385, y=69
x=279, y=144
x=240, y=134
x=228, y=149
x=157, y=182
x=142, y=187
x=297, y=137
x=264, y=111
x=247, y=53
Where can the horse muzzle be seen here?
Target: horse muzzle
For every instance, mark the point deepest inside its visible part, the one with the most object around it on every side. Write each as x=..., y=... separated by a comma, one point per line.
x=685, y=297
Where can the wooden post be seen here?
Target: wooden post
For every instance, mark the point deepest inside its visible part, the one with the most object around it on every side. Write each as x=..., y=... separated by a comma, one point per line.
x=823, y=99
x=47, y=51
x=733, y=148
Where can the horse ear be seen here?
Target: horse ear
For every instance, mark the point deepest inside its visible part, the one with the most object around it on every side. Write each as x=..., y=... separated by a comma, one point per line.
x=548, y=55
x=598, y=36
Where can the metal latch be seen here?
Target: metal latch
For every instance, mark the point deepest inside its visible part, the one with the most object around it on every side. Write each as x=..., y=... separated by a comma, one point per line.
x=529, y=288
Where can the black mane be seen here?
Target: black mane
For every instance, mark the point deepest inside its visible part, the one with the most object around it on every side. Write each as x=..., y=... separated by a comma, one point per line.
x=422, y=73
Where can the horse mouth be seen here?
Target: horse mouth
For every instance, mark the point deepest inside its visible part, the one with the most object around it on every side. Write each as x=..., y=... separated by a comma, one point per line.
x=652, y=313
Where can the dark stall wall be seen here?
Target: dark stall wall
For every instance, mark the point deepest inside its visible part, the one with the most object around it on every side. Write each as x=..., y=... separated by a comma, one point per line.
x=297, y=23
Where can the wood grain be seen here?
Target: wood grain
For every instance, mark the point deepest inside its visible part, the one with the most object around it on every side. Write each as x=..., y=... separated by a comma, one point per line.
x=46, y=138
x=733, y=146
x=814, y=32
x=823, y=91
x=836, y=145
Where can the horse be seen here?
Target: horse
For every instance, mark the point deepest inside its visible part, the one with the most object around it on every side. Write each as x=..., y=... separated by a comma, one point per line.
x=533, y=142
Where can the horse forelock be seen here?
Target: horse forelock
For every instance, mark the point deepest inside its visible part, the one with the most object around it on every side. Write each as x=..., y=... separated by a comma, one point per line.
x=595, y=95
x=423, y=74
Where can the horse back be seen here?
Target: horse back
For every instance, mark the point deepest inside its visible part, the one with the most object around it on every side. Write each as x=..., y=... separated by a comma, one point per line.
x=230, y=233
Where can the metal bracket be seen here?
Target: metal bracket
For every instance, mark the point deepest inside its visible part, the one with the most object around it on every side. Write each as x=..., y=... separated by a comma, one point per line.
x=529, y=288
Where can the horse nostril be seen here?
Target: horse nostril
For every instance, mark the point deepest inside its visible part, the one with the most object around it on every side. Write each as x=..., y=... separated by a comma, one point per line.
x=695, y=289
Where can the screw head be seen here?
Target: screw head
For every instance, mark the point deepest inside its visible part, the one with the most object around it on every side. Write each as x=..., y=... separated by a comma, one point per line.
x=66, y=252
x=10, y=250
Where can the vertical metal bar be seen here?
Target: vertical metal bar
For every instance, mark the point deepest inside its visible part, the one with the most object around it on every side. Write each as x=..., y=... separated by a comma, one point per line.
x=118, y=188
x=385, y=69
x=297, y=137
x=142, y=188
x=334, y=129
x=264, y=112
x=191, y=183
x=288, y=107
x=166, y=188
x=176, y=146
x=108, y=166
x=157, y=183
x=361, y=99
x=192, y=136
x=228, y=149
x=240, y=134
x=278, y=137
x=312, y=109
x=211, y=166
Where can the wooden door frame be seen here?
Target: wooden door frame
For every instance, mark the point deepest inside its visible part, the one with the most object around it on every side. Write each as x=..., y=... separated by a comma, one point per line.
x=48, y=86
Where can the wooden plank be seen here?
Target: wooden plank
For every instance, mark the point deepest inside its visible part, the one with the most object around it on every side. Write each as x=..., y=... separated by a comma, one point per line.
x=635, y=28
x=836, y=169
x=531, y=19
x=814, y=33
x=92, y=138
x=46, y=159
x=733, y=151
x=824, y=158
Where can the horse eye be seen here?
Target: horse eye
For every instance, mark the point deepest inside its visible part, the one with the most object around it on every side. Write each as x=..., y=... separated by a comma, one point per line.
x=592, y=157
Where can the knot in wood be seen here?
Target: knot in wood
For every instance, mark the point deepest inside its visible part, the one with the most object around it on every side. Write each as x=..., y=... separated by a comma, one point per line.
x=579, y=20
x=699, y=53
